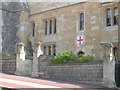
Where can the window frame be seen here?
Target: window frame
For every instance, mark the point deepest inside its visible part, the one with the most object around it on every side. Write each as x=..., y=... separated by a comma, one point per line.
x=115, y=16
x=50, y=26
x=81, y=22
x=33, y=29
x=108, y=24
x=78, y=21
x=45, y=27
x=44, y=50
x=54, y=50
x=49, y=50
x=55, y=26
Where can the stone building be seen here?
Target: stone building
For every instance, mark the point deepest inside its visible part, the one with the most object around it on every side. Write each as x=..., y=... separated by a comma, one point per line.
x=89, y=27
x=80, y=27
x=13, y=27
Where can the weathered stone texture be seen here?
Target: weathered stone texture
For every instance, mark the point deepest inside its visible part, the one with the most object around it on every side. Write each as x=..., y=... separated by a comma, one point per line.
x=78, y=73
x=9, y=34
x=43, y=6
x=9, y=66
x=11, y=16
x=14, y=6
x=67, y=18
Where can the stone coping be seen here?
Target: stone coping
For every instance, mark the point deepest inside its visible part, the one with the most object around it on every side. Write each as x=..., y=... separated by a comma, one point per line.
x=9, y=59
x=87, y=63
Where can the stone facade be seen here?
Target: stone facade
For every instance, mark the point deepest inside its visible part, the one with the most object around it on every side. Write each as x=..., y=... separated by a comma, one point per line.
x=12, y=23
x=67, y=17
x=101, y=40
x=67, y=27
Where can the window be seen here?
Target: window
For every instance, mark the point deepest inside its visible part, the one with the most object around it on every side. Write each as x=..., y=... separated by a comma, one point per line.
x=45, y=27
x=115, y=17
x=50, y=27
x=49, y=48
x=112, y=16
x=54, y=50
x=54, y=26
x=44, y=50
x=82, y=21
x=108, y=17
x=33, y=29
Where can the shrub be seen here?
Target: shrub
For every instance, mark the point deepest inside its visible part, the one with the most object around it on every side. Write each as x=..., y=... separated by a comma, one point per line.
x=29, y=48
x=67, y=56
x=64, y=57
x=86, y=58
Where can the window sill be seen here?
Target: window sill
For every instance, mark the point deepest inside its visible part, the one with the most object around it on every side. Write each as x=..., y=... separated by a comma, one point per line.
x=111, y=27
x=80, y=31
x=49, y=35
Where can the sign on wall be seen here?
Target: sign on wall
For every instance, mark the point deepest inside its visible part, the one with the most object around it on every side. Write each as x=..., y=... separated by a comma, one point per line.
x=80, y=40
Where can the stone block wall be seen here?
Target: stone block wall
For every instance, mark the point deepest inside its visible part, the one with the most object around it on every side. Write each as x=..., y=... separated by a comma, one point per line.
x=9, y=66
x=11, y=19
x=89, y=72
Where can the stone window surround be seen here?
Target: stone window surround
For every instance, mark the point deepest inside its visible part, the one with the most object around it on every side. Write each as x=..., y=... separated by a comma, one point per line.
x=47, y=48
x=48, y=26
x=82, y=19
x=108, y=17
x=115, y=16
x=112, y=27
x=78, y=21
x=31, y=23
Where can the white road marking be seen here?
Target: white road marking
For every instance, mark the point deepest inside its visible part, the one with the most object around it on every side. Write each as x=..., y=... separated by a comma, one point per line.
x=6, y=86
x=35, y=85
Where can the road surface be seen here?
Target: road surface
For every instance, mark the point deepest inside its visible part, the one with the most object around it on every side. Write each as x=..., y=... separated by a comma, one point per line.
x=20, y=82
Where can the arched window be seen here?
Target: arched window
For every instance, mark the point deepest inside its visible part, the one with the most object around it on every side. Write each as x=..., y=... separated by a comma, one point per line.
x=80, y=53
x=108, y=17
x=82, y=21
x=115, y=18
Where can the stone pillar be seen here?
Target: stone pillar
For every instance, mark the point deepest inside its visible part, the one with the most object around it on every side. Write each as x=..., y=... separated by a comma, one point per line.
x=20, y=59
x=36, y=54
x=52, y=50
x=48, y=27
x=109, y=67
x=53, y=25
x=47, y=50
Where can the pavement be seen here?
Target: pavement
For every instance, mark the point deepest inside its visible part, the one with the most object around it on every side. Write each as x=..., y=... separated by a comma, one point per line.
x=22, y=83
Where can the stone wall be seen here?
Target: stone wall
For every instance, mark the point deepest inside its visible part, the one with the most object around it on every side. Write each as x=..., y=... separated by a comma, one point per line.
x=9, y=66
x=11, y=19
x=89, y=72
x=119, y=28
x=1, y=24
x=9, y=37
